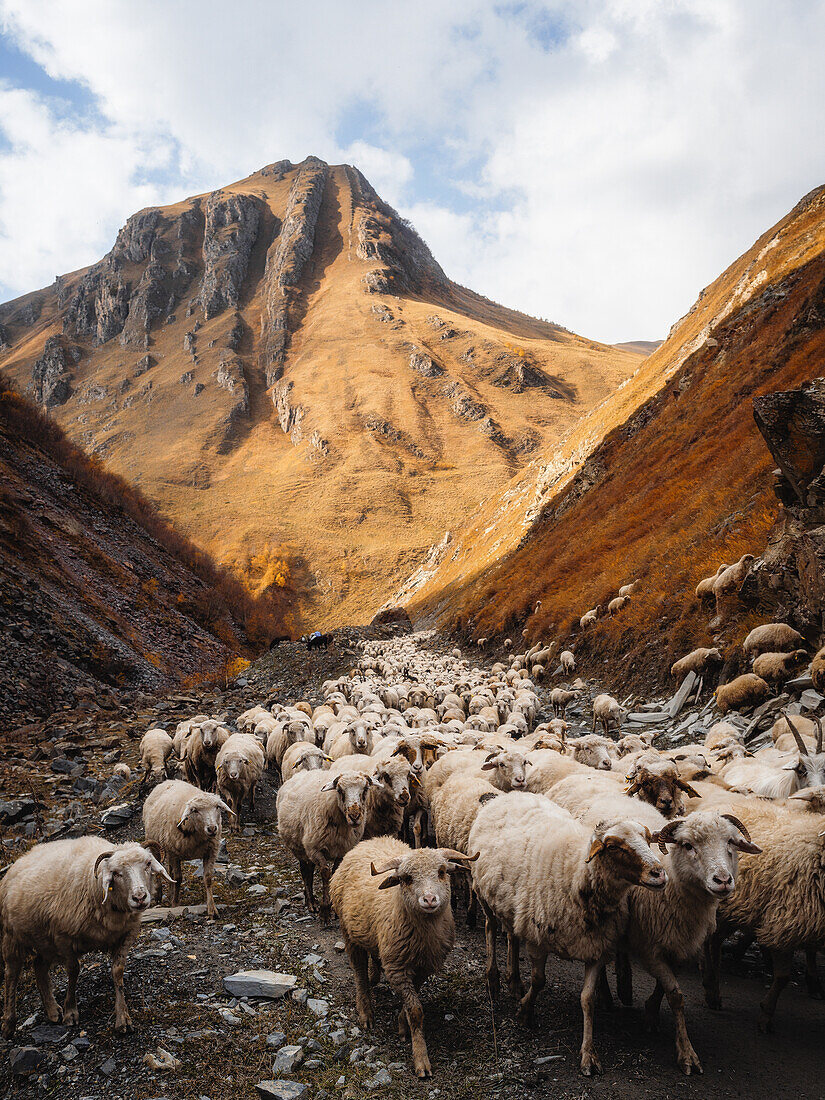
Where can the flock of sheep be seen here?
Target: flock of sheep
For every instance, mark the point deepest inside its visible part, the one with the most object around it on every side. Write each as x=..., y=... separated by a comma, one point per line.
x=418, y=769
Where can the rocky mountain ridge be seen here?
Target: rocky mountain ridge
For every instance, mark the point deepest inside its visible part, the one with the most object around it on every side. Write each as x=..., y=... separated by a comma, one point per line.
x=287, y=371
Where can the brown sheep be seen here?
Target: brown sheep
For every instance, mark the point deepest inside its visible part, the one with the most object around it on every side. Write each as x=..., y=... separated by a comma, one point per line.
x=777, y=668
x=727, y=585
x=771, y=638
x=704, y=589
x=616, y=604
x=744, y=691
x=699, y=661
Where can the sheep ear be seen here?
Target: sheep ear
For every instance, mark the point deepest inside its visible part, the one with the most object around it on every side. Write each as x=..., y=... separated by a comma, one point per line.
x=485, y=798
x=223, y=806
x=374, y=780
x=488, y=766
x=790, y=766
x=390, y=880
x=184, y=817
x=596, y=846
x=745, y=844
x=332, y=785
x=159, y=869
x=686, y=787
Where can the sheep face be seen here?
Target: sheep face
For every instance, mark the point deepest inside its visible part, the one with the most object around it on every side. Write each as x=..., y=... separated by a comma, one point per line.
x=351, y=789
x=510, y=768
x=704, y=850
x=661, y=787
x=423, y=879
x=809, y=768
x=209, y=736
x=625, y=847
x=395, y=776
x=309, y=761
x=202, y=817
x=592, y=752
x=124, y=878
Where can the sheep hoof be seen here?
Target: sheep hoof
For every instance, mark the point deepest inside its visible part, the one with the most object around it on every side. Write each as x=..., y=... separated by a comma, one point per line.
x=71, y=1017
x=690, y=1065
x=590, y=1064
x=423, y=1070
x=124, y=1025
x=7, y=1030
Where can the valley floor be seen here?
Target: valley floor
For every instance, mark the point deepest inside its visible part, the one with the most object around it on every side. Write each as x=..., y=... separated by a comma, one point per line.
x=224, y=1048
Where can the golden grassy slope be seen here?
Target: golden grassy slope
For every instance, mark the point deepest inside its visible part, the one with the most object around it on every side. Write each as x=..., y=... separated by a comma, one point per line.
x=661, y=482
x=402, y=464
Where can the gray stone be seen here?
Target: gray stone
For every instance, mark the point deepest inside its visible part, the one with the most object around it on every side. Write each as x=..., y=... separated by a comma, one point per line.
x=269, y=984
x=287, y=1058
x=275, y=1040
x=26, y=1060
x=108, y=1067
x=116, y=816
x=318, y=1007
x=380, y=1080
x=338, y=1037
x=50, y=1033
x=301, y=996
x=281, y=1090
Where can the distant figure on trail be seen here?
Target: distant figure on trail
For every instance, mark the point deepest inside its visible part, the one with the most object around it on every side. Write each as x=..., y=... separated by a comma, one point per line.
x=317, y=640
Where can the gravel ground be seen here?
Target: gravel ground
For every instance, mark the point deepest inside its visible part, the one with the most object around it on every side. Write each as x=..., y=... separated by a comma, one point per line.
x=223, y=1048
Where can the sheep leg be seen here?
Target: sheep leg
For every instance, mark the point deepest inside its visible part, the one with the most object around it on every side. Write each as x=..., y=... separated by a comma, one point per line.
x=513, y=970
x=418, y=828
x=538, y=980
x=177, y=875
x=590, y=1063
x=308, y=875
x=782, y=961
x=326, y=907
x=711, y=966
x=70, y=1013
x=44, y=985
x=415, y=1020
x=815, y=989
x=686, y=1056
x=13, y=964
x=472, y=907
x=208, y=880
x=363, y=996
x=624, y=978
x=374, y=970
x=491, y=934
x=652, y=1006
x=605, y=995
x=123, y=1021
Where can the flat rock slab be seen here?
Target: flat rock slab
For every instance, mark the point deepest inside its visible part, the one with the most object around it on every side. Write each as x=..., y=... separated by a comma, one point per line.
x=268, y=984
x=161, y=913
x=281, y=1090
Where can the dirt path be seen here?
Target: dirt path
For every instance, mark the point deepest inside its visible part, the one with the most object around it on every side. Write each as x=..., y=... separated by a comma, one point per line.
x=174, y=985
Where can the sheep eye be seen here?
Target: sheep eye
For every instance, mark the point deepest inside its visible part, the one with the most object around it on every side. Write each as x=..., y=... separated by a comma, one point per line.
x=406, y=879
x=442, y=873
x=688, y=847
x=116, y=874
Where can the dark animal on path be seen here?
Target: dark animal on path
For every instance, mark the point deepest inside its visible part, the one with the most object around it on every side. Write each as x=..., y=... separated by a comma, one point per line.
x=319, y=641
x=277, y=641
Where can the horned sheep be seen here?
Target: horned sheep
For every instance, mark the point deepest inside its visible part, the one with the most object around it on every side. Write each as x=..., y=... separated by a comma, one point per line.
x=394, y=907
x=320, y=818
x=559, y=887
x=64, y=899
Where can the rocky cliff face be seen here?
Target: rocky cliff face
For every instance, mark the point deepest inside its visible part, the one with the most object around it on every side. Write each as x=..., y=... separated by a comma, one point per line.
x=284, y=367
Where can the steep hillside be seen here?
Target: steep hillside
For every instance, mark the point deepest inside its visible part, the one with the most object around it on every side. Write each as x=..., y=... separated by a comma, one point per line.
x=661, y=482
x=96, y=588
x=285, y=369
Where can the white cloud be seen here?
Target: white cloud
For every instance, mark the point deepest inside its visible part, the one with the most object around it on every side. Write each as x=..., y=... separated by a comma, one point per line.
x=598, y=172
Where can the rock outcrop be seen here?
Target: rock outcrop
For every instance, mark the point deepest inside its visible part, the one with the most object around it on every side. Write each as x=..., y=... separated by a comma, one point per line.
x=230, y=231
x=290, y=249
x=51, y=376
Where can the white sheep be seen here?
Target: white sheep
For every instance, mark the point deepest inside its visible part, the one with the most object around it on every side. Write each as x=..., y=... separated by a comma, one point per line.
x=64, y=899
x=320, y=817
x=559, y=887
x=302, y=757
x=239, y=765
x=567, y=660
x=185, y=823
x=156, y=746
x=607, y=711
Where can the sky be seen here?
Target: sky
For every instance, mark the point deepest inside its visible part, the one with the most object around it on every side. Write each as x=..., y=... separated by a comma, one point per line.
x=592, y=162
